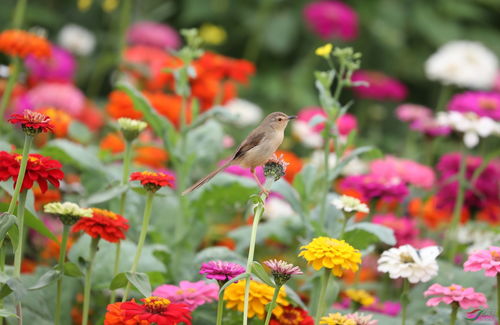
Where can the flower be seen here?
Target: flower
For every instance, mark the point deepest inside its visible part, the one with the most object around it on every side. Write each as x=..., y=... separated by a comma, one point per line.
x=60, y=119
x=103, y=224
x=20, y=43
x=120, y=105
x=350, y=204
x=32, y=122
x=387, y=307
x=60, y=67
x=380, y=86
x=221, y=271
x=152, y=181
x=336, y=319
x=324, y=50
x=154, y=310
x=49, y=196
x=361, y=319
x=151, y=157
x=406, y=262
x=112, y=142
x=292, y=316
x=131, y=128
x=282, y=271
x=361, y=297
x=463, y=63
x=487, y=260
x=372, y=186
x=464, y=297
x=406, y=170
x=331, y=253
x=332, y=19
x=244, y=113
x=76, y=39
x=477, y=236
x=405, y=229
x=153, y=34
x=260, y=295
x=39, y=169
x=192, y=294
x=68, y=212
x=275, y=167
x=421, y=119
x=433, y=213
x=212, y=34
x=481, y=103
x=275, y=207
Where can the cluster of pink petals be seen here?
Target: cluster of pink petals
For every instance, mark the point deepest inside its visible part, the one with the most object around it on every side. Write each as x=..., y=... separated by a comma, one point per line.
x=60, y=67
x=465, y=297
x=405, y=229
x=193, y=294
x=390, y=308
x=362, y=319
x=372, y=186
x=221, y=271
x=407, y=170
x=245, y=172
x=331, y=19
x=380, y=86
x=345, y=124
x=487, y=260
x=282, y=267
x=421, y=119
x=482, y=103
x=153, y=34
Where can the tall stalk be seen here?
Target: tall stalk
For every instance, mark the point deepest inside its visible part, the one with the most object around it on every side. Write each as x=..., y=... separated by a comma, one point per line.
x=88, y=280
x=62, y=257
x=125, y=14
x=22, y=171
x=18, y=254
x=7, y=93
x=404, y=300
x=272, y=304
x=17, y=20
x=325, y=278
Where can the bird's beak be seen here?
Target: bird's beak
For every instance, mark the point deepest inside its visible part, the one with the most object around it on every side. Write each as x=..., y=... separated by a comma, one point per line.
x=291, y=117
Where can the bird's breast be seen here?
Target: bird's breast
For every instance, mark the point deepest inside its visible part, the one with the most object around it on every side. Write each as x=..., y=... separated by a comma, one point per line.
x=261, y=153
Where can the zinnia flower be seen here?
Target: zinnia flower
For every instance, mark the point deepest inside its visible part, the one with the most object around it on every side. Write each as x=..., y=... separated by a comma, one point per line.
x=487, y=260
x=244, y=113
x=405, y=229
x=152, y=181
x=380, y=86
x=212, y=34
x=408, y=171
x=464, y=297
x=332, y=19
x=333, y=254
x=131, y=128
x=20, y=43
x=485, y=104
x=282, y=271
x=361, y=297
x=374, y=186
x=112, y=142
x=60, y=67
x=39, y=169
x=221, y=271
x=433, y=213
x=336, y=319
x=350, y=204
x=154, y=310
x=153, y=34
x=260, y=295
x=32, y=122
x=362, y=319
x=192, y=294
x=103, y=224
x=292, y=316
x=69, y=213
x=463, y=63
x=77, y=39
x=60, y=119
x=406, y=262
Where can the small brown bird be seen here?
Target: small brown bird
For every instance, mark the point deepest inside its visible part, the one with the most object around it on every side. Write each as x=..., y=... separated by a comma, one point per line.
x=256, y=149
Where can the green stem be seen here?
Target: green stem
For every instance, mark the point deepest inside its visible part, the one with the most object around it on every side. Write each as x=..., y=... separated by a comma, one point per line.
x=344, y=224
x=2, y=269
x=17, y=21
x=22, y=171
x=498, y=296
x=16, y=66
x=444, y=95
x=125, y=14
x=404, y=300
x=272, y=304
x=325, y=277
x=62, y=257
x=88, y=281
x=142, y=238
x=220, y=308
x=254, y=44
x=454, y=312
x=18, y=255
x=251, y=250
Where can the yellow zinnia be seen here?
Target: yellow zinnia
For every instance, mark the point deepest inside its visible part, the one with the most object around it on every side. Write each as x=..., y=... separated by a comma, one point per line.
x=260, y=295
x=362, y=297
x=324, y=50
x=331, y=253
x=336, y=319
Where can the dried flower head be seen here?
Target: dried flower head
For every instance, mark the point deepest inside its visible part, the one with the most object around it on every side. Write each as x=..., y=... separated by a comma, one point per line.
x=68, y=212
x=275, y=167
x=131, y=128
x=350, y=204
x=282, y=271
x=32, y=122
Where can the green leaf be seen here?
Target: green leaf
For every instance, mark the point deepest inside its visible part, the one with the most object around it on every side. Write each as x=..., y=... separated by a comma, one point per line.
x=6, y=222
x=140, y=281
x=17, y=288
x=119, y=281
x=233, y=280
x=106, y=195
x=259, y=271
x=80, y=132
x=7, y=313
x=353, y=154
x=72, y=270
x=46, y=279
x=72, y=153
x=294, y=297
x=5, y=291
x=13, y=234
x=363, y=234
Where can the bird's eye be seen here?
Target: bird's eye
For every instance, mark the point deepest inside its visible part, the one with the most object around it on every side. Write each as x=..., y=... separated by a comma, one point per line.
x=280, y=119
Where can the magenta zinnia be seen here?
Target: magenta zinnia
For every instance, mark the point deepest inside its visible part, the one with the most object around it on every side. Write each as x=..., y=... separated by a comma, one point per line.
x=221, y=271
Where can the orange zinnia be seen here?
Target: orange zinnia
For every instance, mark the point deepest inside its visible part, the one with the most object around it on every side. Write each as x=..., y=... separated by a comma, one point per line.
x=112, y=142
x=433, y=215
x=104, y=224
x=21, y=43
x=60, y=119
x=52, y=249
x=121, y=105
x=151, y=156
x=169, y=106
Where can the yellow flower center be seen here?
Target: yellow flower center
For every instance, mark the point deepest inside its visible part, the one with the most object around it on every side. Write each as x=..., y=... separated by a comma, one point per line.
x=495, y=255
x=406, y=258
x=148, y=173
x=291, y=317
x=156, y=305
x=487, y=103
x=105, y=213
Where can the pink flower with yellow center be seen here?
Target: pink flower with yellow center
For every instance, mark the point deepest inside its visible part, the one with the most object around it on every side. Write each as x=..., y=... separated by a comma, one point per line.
x=482, y=103
x=487, y=260
x=464, y=297
x=192, y=294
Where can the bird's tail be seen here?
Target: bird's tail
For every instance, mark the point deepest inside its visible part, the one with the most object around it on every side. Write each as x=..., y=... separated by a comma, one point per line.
x=207, y=178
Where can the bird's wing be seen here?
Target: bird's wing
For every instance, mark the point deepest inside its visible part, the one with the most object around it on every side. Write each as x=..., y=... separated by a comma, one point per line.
x=253, y=139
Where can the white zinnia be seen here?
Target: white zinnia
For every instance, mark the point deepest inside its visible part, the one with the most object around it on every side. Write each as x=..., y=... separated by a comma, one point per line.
x=77, y=39
x=277, y=208
x=244, y=113
x=407, y=262
x=477, y=237
x=463, y=63
x=470, y=124
x=306, y=134
x=350, y=204
x=67, y=209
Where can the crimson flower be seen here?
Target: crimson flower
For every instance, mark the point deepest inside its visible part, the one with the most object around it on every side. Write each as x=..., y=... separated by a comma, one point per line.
x=155, y=310
x=105, y=224
x=152, y=181
x=32, y=122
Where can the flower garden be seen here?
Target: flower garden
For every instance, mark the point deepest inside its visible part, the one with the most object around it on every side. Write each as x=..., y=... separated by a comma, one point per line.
x=138, y=185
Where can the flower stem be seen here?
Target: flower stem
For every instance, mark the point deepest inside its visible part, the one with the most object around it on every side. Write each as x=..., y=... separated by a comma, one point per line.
x=123, y=24
x=88, y=283
x=220, y=308
x=325, y=277
x=22, y=170
x=498, y=296
x=62, y=256
x=454, y=311
x=18, y=254
x=251, y=250
x=142, y=238
x=272, y=304
x=16, y=66
x=17, y=21
x=444, y=95
x=404, y=300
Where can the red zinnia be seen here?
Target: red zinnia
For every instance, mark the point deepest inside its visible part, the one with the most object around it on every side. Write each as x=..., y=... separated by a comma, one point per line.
x=32, y=122
x=39, y=169
x=152, y=181
x=105, y=224
x=155, y=310
x=292, y=316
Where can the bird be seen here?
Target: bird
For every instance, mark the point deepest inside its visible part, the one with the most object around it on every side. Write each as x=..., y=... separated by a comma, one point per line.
x=256, y=149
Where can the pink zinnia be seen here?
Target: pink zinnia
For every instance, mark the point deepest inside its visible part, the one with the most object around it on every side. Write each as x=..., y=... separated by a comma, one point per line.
x=153, y=34
x=373, y=187
x=221, y=271
x=405, y=229
x=406, y=170
x=380, y=86
x=482, y=103
x=362, y=319
x=332, y=20
x=464, y=297
x=487, y=260
x=60, y=67
x=193, y=294
x=413, y=112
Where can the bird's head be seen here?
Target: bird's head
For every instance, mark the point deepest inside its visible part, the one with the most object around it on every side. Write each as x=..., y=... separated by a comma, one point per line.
x=278, y=120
